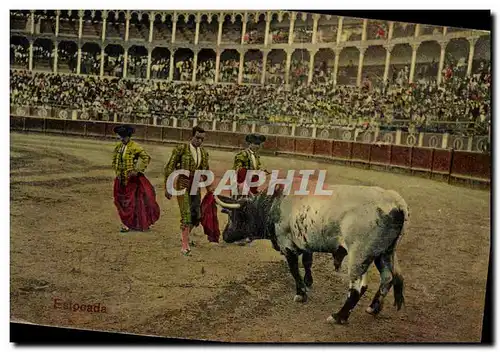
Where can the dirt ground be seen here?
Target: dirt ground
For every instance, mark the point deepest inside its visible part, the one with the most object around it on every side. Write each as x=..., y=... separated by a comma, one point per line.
x=65, y=244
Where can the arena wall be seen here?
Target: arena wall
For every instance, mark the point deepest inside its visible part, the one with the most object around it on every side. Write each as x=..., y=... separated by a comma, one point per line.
x=457, y=167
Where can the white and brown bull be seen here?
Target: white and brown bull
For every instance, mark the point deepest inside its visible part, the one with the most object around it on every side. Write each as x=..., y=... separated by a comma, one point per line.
x=362, y=223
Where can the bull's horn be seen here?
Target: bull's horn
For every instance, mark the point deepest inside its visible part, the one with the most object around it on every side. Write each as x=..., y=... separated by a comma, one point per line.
x=226, y=205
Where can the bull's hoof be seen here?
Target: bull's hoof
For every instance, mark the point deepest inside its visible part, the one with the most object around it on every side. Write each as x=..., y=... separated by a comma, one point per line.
x=398, y=303
x=337, y=319
x=374, y=308
x=300, y=298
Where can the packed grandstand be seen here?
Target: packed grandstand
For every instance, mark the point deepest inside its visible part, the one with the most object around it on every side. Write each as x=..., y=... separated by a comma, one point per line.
x=268, y=66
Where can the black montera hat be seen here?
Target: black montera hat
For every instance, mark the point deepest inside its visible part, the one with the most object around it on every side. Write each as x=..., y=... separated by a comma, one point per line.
x=255, y=138
x=124, y=130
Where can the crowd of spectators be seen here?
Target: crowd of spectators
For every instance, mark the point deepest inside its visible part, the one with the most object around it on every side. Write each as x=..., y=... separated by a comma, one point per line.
x=420, y=104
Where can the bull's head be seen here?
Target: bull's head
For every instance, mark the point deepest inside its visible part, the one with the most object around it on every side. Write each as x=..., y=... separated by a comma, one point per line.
x=250, y=217
x=240, y=222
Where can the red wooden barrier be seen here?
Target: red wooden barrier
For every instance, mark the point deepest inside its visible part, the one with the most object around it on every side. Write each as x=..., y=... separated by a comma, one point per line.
x=441, y=161
x=401, y=156
x=140, y=132
x=469, y=165
x=421, y=159
x=304, y=146
x=109, y=129
x=285, y=144
x=76, y=128
x=154, y=133
x=342, y=150
x=360, y=152
x=171, y=134
x=323, y=147
x=34, y=124
x=16, y=124
x=476, y=165
x=55, y=126
x=271, y=143
x=95, y=129
x=381, y=154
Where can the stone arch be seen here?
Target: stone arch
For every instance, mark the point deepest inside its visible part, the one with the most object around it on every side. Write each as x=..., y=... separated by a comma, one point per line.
x=91, y=59
x=69, y=23
x=403, y=30
x=231, y=29
x=327, y=29
x=279, y=28
x=46, y=22
x=67, y=55
x=137, y=61
x=348, y=66
x=185, y=28
x=377, y=30
x=139, y=26
x=256, y=28
x=252, y=66
x=374, y=65
x=399, y=67
x=113, y=60
x=160, y=63
x=229, y=66
x=275, y=66
x=427, y=63
x=482, y=52
x=43, y=51
x=136, y=13
x=426, y=29
x=162, y=27
x=205, y=67
x=97, y=21
x=19, y=51
x=209, y=27
x=302, y=30
x=183, y=65
x=352, y=29
x=455, y=29
x=115, y=25
x=90, y=28
x=324, y=60
x=20, y=21
x=299, y=67
x=457, y=56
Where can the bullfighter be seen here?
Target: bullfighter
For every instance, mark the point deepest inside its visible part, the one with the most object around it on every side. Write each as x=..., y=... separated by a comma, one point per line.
x=189, y=156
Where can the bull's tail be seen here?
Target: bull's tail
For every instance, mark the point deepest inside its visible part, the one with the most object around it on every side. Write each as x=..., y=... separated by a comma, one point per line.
x=398, y=284
x=400, y=219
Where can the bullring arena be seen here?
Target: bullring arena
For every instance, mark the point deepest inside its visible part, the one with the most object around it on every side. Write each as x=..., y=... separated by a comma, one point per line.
x=402, y=106
x=65, y=244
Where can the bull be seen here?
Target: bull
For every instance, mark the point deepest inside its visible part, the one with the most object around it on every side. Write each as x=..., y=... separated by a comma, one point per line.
x=361, y=223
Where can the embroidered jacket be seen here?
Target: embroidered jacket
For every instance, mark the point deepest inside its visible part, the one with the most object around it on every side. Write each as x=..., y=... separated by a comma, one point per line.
x=243, y=159
x=243, y=162
x=182, y=158
x=126, y=159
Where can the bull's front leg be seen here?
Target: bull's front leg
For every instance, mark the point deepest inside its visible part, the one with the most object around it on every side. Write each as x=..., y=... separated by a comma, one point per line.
x=293, y=263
